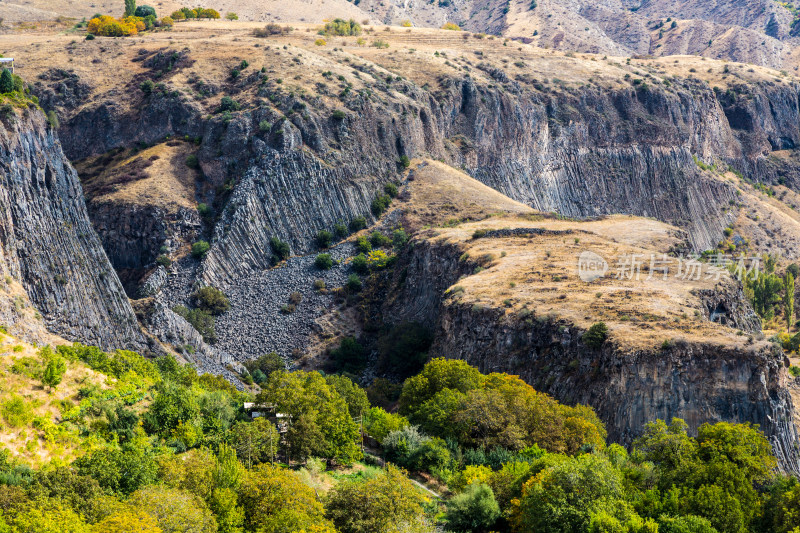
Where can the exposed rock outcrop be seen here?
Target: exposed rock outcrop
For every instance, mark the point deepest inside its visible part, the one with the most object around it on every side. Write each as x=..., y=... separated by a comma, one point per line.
x=579, y=152
x=48, y=242
x=134, y=237
x=628, y=384
x=696, y=382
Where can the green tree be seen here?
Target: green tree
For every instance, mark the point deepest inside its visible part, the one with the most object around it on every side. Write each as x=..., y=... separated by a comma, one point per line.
x=54, y=371
x=280, y=249
x=228, y=471
x=716, y=476
x=218, y=413
x=192, y=471
x=436, y=415
x=378, y=423
x=200, y=248
x=172, y=406
x=450, y=399
x=123, y=421
x=212, y=300
x=144, y=11
x=563, y=497
x=354, y=396
x=49, y=517
x=596, y=335
x=255, y=442
x=266, y=364
x=350, y=356
x=120, y=470
x=722, y=509
x=341, y=27
x=401, y=446
x=6, y=82
x=684, y=524
x=475, y=509
x=275, y=500
x=324, y=238
x=130, y=8
x=323, y=262
x=321, y=423
x=230, y=516
x=82, y=494
x=438, y=374
x=507, y=482
x=126, y=521
x=389, y=502
x=782, y=507
x=175, y=510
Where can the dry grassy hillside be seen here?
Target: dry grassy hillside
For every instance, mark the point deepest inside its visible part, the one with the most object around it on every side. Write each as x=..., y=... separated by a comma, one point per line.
x=156, y=177
x=528, y=261
x=31, y=412
x=758, y=32
x=266, y=10
x=422, y=55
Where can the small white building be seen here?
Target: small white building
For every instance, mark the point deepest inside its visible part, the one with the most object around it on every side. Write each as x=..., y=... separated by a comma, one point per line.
x=281, y=420
x=7, y=63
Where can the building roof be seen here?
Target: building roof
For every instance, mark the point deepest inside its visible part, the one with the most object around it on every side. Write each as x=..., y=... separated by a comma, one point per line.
x=6, y=59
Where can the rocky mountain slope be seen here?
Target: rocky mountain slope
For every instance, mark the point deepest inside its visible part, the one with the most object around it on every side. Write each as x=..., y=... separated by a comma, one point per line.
x=524, y=122
x=48, y=243
x=311, y=135
x=211, y=133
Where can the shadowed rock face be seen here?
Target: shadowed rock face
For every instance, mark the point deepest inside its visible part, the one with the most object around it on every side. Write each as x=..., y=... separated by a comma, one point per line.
x=134, y=237
x=48, y=242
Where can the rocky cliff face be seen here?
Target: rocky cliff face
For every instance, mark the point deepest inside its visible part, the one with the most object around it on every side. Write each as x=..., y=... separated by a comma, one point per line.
x=698, y=381
x=579, y=152
x=133, y=238
x=48, y=243
x=291, y=169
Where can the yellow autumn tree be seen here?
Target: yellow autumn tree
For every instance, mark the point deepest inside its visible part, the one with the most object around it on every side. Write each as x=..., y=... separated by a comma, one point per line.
x=127, y=521
x=111, y=27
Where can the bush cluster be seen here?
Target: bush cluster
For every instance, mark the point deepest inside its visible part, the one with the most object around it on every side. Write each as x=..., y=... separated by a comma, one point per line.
x=211, y=300
x=280, y=250
x=113, y=27
x=186, y=13
x=341, y=28
x=271, y=29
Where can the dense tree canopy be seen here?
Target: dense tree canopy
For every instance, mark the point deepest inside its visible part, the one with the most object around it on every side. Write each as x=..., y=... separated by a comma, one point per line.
x=387, y=502
x=450, y=399
x=164, y=449
x=321, y=422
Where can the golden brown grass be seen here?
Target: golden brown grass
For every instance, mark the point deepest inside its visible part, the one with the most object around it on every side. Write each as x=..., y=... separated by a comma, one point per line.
x=163, y=179
x=422, y=55
x=438, y=194
x=537, y=275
